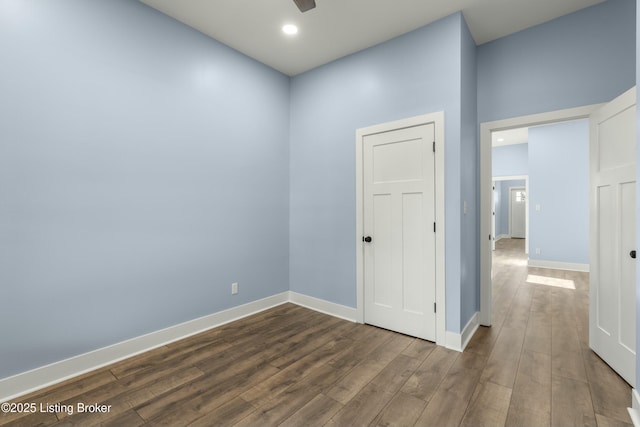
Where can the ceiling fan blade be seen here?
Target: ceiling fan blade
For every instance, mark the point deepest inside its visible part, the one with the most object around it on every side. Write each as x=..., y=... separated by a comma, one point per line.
x=305, y=5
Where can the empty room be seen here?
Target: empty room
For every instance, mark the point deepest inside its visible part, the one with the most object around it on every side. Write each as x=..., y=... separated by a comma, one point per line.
x=279, y=212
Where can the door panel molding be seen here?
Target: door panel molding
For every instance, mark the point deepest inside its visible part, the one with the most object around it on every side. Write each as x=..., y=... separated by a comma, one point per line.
x=437, y=119
x=612, y=235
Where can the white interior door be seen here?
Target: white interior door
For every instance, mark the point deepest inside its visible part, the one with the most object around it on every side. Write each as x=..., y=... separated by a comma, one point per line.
x=612, y=316
x=399, y=221
x=517, y=209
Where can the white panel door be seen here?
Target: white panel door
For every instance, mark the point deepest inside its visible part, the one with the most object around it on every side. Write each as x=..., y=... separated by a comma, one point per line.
x=612, y=315
x=518, y=207
x=399, y=218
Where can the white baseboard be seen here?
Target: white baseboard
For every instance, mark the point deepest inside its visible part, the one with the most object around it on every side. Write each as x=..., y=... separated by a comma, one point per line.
x=634, y=411
x=45, y=376
x=458, y=342
x=323, y=306
x=503, y=236
x=557, y=265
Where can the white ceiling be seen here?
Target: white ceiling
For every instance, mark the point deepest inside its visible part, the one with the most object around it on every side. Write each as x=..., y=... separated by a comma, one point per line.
x=336, y=28
x=510, y=137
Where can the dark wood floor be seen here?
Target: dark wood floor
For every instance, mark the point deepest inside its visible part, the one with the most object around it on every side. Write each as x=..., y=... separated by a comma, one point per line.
x=291, y=366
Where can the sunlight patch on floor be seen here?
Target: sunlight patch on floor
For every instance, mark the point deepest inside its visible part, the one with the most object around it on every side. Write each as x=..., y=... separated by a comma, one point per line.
x=551, y=281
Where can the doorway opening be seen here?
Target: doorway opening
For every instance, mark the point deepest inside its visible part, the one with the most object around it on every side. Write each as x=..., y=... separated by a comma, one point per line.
x=610, y=261
x=488, y=131
x=503, y=212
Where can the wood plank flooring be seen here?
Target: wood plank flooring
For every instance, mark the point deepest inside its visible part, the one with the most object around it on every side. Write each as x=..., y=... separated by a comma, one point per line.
x=290, y=366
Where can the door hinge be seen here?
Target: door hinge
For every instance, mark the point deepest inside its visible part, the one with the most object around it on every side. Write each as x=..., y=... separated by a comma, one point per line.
x=489, y=236
x=434, y=227
x=434, y=146
x=434, y=308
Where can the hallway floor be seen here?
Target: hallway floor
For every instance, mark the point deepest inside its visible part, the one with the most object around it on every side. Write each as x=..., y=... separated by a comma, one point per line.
x=539, y=359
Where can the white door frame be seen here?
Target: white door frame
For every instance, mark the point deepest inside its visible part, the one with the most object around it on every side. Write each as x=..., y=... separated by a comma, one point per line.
x=438, y=120
x=485, y=187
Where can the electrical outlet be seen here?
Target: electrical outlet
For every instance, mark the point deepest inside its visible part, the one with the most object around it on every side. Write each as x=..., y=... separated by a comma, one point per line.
x=537, y=251
x=234, y=288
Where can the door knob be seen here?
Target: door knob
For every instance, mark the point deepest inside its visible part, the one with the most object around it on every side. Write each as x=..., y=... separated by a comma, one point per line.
x=367, y=239
x=632, y=254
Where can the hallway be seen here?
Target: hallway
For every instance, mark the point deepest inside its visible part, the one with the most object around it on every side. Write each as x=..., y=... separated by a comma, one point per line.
x=539, y=360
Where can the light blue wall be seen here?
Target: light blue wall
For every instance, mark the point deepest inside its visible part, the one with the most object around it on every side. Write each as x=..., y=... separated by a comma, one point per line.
x=417, y=73
x=510, y=160
x=579, y=59
x=469, y=182
x=559, y=183
x=502, y=204
x=121, y=131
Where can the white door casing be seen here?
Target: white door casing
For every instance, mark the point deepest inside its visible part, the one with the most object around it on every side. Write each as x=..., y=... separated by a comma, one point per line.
x=517, y=212
x=486, y=129
x=612, y=294
x=399, y=196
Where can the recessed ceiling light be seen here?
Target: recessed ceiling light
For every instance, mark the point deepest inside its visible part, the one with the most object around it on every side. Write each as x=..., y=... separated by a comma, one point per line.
x=500, y=139
x=290, y=29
